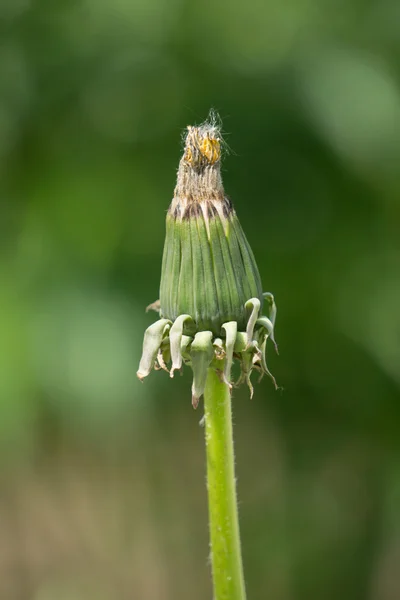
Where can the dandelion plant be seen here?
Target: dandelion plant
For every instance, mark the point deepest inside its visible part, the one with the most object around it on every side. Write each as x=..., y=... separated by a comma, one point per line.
x=210, y=309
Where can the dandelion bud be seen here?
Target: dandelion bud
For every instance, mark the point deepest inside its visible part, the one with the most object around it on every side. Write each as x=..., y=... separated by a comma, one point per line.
x=210, y=293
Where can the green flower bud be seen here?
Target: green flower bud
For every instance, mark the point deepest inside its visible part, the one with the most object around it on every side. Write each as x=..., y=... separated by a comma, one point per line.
x=210, y=292
x=208, y=269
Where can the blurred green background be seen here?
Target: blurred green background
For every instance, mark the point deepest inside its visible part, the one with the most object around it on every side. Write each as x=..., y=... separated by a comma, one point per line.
x=102, y=479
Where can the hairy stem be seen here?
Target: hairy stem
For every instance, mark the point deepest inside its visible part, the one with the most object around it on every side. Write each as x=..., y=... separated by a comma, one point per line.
x=226, y=558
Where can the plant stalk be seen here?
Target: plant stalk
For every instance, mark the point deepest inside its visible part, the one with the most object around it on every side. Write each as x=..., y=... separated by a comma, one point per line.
x=226, y=556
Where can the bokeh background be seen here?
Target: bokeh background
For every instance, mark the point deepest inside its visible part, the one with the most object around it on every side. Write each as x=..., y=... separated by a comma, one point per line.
x=102, y=479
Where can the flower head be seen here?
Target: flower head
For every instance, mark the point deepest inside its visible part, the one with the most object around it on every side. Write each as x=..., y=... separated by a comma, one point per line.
x=211, y=297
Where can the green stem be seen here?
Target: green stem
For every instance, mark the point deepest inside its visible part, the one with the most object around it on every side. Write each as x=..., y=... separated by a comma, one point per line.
x=226, y=558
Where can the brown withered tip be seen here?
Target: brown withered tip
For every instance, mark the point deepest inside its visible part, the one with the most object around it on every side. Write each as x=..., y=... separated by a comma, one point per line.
x=156, y=306
x=202, y=145
x=195, y=401
x=199, y=174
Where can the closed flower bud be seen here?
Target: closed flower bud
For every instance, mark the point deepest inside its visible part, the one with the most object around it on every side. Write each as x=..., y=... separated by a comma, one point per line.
x=210, y=293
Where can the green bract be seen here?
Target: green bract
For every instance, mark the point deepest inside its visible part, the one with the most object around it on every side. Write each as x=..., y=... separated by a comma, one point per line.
x=210, y=293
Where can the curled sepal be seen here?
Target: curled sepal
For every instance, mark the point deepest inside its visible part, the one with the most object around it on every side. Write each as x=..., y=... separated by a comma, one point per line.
x=161, y=362
x=254, y=305
x=272, y=306
x=152, y=340
x=185, y=348
x=269, y=326
x=247, y=367
x=202, y=353
x=165, y=352
x=240, y=342
x=231, y=331
x=264, y=368
x=175, y=337
x=254, y=349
